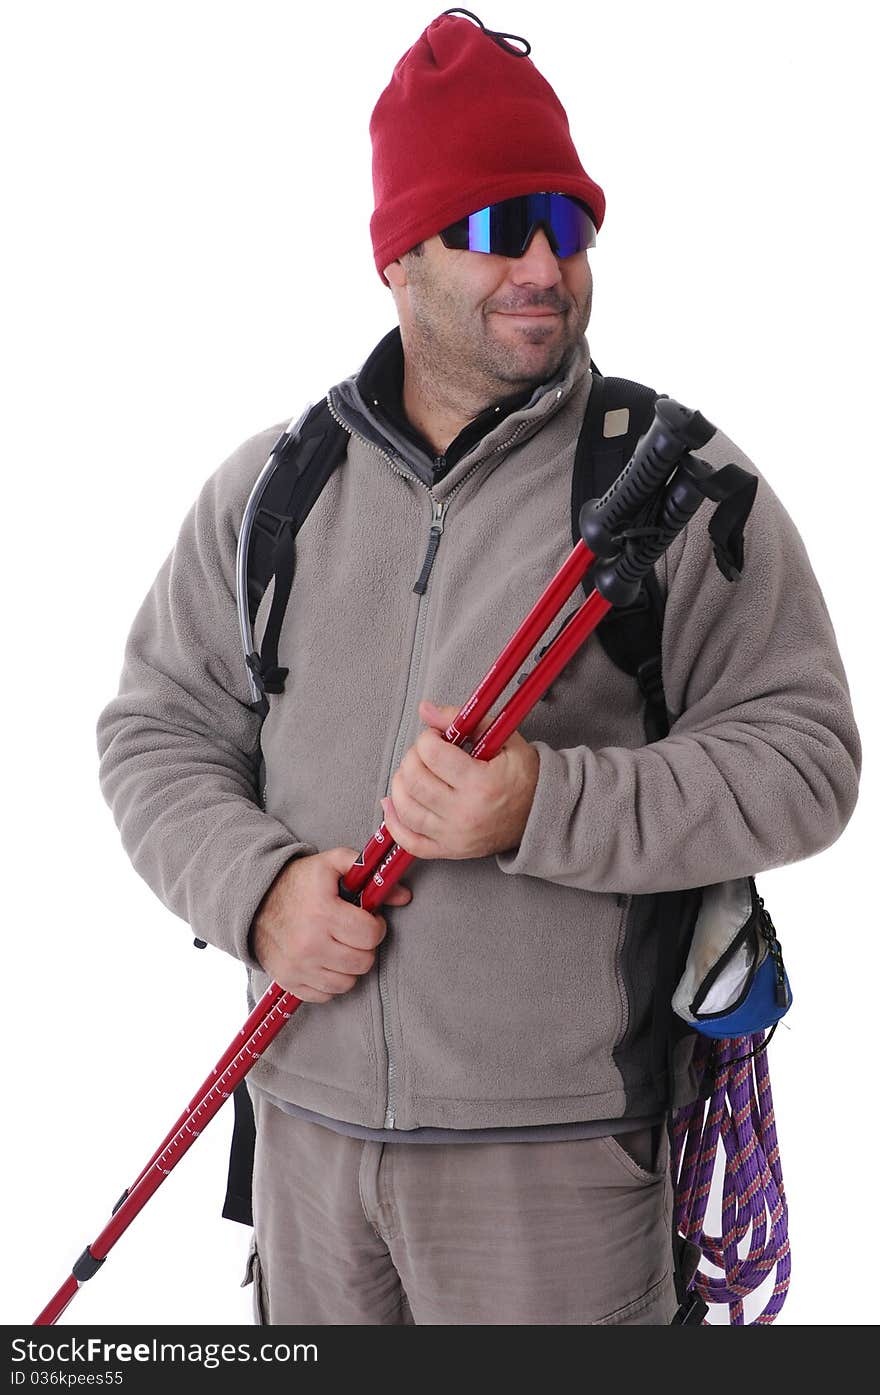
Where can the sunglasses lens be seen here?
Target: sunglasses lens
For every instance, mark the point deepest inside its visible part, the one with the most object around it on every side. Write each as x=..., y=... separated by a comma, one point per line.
x=570, y=223
x=506, y=228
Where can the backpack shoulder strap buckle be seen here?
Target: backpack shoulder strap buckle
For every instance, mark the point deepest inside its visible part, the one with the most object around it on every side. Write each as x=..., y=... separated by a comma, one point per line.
x=649, y=676
x=300, y=462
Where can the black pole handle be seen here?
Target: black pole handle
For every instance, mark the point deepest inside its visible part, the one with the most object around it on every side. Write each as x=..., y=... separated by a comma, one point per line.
x=619, y=578
x=674, y=432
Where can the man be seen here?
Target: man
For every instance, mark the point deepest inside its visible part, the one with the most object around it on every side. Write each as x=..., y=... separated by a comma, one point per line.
x=463, y=1123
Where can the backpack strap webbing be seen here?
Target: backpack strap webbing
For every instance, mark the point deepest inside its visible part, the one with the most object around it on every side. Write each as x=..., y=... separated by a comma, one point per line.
x=238, y=1203
x=618, y=414
x=304, y=464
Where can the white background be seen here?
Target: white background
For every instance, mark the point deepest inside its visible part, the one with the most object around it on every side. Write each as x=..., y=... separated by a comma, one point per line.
x=187, y=261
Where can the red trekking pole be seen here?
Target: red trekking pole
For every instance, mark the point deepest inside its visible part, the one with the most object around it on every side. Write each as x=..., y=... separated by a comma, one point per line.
x=662, y=481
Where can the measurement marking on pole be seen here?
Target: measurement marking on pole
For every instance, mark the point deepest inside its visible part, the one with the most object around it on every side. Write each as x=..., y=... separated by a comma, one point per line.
x=203, y=1109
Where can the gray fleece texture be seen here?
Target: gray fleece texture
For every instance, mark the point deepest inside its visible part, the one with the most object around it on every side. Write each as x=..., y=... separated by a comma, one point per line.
x=505, y=992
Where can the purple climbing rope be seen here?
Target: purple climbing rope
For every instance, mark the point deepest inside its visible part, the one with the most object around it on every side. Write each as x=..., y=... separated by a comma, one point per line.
x=740, y=1112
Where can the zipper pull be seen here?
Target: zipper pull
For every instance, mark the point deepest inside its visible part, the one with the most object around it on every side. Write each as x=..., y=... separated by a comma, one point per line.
x=774, y=949
x=783, y=996
x=438, y=513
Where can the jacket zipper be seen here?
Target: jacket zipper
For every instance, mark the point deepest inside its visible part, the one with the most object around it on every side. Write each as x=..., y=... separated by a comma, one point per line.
x=624, y=901
x=438, y=513
x=438, y=516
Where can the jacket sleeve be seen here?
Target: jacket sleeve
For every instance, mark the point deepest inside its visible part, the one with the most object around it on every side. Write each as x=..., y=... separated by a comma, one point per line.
x=762, y=761
x=178, y=745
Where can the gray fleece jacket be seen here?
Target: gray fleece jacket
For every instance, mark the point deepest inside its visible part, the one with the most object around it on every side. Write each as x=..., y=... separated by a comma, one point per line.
x=518, y=989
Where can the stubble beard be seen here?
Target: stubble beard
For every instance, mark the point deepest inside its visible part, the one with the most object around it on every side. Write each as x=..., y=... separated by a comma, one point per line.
x=478, y=367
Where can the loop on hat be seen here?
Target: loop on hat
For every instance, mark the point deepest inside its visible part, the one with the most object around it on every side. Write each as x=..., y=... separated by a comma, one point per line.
x=497, y=34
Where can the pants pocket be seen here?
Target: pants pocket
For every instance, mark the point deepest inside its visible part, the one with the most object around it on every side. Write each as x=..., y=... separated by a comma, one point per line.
x=633, y=1150
x=253, y=1274
x=656, y=1308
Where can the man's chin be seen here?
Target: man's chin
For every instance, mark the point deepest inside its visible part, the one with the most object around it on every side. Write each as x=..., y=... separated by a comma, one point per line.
x=529, y=361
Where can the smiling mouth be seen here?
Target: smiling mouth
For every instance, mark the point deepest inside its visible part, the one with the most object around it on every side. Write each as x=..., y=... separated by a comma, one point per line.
x=532, y=320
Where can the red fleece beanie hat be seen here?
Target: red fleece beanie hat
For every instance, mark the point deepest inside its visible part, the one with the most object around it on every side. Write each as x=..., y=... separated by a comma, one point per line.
x=466, y=120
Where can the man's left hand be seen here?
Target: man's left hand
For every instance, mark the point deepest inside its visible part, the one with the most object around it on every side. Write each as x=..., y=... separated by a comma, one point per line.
x=444, y=803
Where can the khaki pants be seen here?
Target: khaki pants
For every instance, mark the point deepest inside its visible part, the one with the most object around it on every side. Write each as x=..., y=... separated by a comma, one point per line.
x=353, y=1232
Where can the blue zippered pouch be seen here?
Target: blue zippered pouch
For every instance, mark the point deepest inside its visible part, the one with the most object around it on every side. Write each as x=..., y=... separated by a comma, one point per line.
x=734, y=982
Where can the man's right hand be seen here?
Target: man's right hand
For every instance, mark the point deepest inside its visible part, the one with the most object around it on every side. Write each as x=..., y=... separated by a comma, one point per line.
x=307, y=938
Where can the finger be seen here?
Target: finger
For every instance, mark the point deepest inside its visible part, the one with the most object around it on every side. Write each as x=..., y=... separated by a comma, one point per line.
x=341, y=858
x=421, y=818
x=448, y=763
x=361, y=930
x=329, y=981
x=437, y=715
x=399, y=895
x=344, y=959
x=416, y=780
x=308, y=995
x=440, y=718
x=417, y=844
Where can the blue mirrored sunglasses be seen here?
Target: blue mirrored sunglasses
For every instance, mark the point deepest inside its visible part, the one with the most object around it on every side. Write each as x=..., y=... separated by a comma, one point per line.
x=506, y=228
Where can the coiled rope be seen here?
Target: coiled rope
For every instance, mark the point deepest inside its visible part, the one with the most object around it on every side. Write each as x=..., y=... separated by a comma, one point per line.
x=740, y=1111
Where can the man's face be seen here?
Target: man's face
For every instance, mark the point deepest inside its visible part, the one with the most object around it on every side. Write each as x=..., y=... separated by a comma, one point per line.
x=496, y=324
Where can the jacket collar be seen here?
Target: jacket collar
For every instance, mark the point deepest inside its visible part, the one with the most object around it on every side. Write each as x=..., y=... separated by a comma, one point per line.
x=369, y=403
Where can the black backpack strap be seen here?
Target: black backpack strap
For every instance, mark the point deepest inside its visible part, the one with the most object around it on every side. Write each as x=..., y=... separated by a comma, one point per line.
x=238, y=1205
x=618, y=413
x=305, y=462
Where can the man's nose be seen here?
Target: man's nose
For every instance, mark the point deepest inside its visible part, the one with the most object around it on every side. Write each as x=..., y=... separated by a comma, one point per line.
x=538, y=264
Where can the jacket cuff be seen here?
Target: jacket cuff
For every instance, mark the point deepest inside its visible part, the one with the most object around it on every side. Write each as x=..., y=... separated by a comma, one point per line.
x=224, y=920
x=549, y=821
